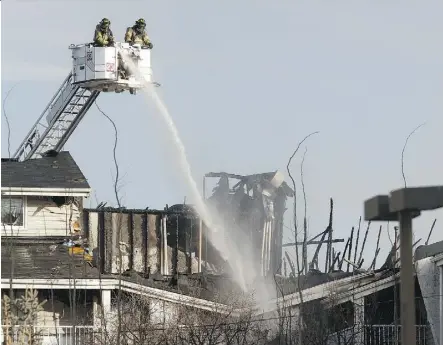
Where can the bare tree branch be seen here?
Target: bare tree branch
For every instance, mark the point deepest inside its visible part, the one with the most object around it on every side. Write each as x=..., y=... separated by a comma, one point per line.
x=292, y=178
x=305, y=225
x=10, y=242
x=299, y=288
x=114, y=154
x=116, y=191
x=7, y=119
x=403, y=151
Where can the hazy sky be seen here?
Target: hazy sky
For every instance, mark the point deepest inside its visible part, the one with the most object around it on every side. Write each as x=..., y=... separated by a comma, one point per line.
x=245, y=81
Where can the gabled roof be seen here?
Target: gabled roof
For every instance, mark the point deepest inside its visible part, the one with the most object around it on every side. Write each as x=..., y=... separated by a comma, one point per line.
x=53, y=172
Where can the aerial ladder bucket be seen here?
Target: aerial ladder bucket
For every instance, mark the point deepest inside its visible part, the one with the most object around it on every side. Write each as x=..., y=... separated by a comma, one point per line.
x=94, y=70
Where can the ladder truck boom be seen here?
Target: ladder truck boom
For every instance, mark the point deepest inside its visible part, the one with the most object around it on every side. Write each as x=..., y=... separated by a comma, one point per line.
x=95, y=70
x=63, y=114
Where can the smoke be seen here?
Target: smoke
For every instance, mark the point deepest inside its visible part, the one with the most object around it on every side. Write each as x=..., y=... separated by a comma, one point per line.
x=233, y=244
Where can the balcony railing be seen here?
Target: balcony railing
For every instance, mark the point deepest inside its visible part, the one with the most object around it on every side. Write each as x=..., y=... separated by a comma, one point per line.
x=391, y=335
x=87, y=335
x=378, y=335
x=36, y=335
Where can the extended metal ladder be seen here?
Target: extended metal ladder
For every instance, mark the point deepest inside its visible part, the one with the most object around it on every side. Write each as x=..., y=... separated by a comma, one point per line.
x=63, y=114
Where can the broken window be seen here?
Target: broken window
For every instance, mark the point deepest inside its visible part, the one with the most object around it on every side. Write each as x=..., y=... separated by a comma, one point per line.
x=13, y=211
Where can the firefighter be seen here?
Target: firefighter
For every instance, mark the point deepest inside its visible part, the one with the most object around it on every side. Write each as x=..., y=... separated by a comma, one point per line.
x=103, y=36
x=137, y=34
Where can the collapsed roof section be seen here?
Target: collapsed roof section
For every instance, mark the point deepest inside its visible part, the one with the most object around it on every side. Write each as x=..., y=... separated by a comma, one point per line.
x=266, y=183
x=253, y=209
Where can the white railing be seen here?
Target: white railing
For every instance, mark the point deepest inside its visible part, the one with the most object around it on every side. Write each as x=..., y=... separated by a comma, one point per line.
x=378, y=335
x=85, y=335
x=391, y=334
x=41, y=335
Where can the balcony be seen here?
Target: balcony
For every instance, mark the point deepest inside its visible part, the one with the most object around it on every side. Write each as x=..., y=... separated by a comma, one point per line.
x=81, y=335
x=35, y=335
x=391, y=334
x=378, y=335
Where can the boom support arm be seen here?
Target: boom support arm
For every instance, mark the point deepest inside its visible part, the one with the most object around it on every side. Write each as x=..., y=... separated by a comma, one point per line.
x=63, y=114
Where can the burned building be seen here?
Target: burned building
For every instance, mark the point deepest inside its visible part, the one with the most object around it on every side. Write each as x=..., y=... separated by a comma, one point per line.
x=254, y=206
x=175, y=241
x=72, y=257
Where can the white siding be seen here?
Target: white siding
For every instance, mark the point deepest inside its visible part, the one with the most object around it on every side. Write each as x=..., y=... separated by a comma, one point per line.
x=44, y=218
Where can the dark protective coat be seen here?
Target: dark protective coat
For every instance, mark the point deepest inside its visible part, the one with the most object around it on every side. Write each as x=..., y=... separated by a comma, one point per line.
x=133, y=37
x=103, y=39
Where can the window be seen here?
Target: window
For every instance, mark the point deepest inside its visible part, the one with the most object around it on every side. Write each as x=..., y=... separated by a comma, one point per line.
x=13, y=211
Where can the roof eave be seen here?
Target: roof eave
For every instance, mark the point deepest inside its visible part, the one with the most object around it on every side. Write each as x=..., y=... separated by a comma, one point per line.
x=19, y=191
x=114, y=283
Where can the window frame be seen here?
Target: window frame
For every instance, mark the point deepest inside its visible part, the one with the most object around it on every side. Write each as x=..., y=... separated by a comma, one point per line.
x=5, y=228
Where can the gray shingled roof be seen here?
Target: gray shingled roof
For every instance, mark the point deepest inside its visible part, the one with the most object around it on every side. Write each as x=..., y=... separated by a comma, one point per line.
x=46, y=172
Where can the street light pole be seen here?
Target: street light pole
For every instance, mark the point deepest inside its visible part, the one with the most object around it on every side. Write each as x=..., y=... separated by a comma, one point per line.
x=404, y=205
x=407, y=303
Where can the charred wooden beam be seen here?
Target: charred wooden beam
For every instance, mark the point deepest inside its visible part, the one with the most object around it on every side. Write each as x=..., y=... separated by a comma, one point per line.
x=299, y=243
x=377, y=249
x=329, y=247
x=336, y=259
x=430, y=232
x=372, y=266
x=344, y=254
x=314, y=262
x=291, y=264
x=350, y=249
x=364, y=242
x=357, y=239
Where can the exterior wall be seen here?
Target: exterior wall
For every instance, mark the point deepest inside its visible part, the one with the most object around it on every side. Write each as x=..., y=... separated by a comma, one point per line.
x=135, y=233
x=42, y=217
x=145, y=244
x=428, y=276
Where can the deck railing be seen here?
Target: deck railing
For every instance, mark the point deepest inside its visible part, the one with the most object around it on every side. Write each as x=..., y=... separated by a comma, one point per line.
x=391, y=335
x=87, y=335
x=51, y=335
x=378, y=335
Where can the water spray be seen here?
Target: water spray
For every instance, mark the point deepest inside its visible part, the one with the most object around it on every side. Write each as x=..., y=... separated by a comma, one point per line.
x=217, y=237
